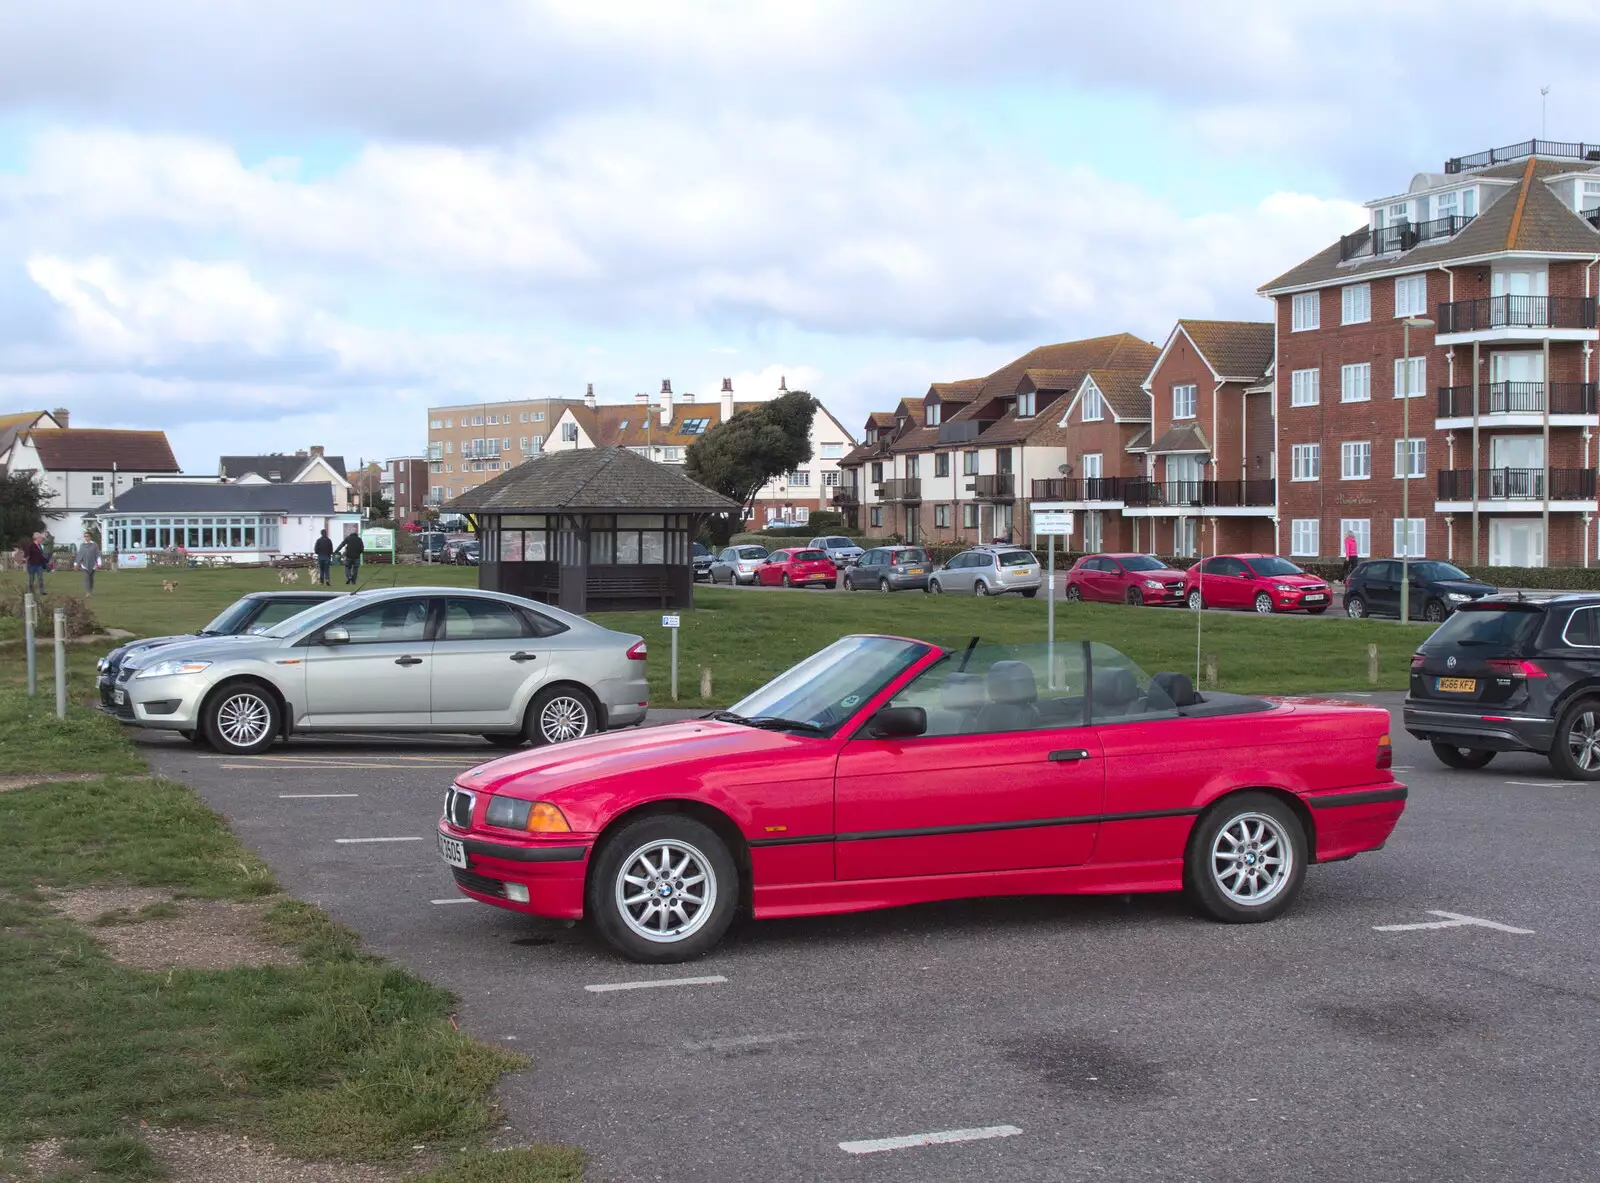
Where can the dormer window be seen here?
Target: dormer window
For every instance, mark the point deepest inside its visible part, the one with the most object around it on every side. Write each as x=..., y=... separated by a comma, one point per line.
x=1447, y=205
x=933, y=414
x=1025, y=405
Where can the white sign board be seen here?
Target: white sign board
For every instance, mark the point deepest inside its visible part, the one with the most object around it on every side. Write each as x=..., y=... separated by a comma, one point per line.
x=378, y=538
x=1053, y=521
x=669, y=622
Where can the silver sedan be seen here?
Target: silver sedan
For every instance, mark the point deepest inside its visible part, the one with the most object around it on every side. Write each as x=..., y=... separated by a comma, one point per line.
x=397, y=659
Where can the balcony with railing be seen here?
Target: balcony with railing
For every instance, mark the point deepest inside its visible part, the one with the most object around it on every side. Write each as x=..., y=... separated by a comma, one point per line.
x=1517, y=312
x=905, y=489
x=1520, y=398
x=1000, y=486
x=1550, y=149
x=1199, y=494
x=846, y=495
x=1518, y=484
x=1089, y=488
x=1373, y=242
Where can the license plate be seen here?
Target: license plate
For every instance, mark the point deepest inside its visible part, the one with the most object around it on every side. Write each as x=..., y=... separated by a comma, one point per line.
x=1315, y=599
x=1023, y=571
x=913, y=570
x=119, y=696
x=454, y=853
x=1456, y=685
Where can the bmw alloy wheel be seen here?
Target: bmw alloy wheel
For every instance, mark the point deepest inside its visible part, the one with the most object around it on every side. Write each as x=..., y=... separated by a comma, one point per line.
x=1251, y=859
x=244, y=719
x=564, y=717
x=666, y=890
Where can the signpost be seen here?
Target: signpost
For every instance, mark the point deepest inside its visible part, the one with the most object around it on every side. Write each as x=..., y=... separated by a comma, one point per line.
x=670, y=623
x=1051, y=522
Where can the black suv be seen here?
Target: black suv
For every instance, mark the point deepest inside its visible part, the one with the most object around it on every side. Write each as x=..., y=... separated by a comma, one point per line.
x=1437, y=589
x=1512, y=675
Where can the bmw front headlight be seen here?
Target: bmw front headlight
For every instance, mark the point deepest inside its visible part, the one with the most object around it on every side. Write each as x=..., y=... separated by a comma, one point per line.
x=168, y=669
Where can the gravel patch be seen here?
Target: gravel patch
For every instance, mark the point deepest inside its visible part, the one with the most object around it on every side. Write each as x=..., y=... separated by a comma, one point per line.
x=202, y=934
x=208, y=1157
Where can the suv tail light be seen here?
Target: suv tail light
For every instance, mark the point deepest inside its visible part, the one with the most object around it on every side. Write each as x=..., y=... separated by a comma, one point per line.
x=1417, y=661
x=637, y=651
x=1385, y=753
x=1516, y=667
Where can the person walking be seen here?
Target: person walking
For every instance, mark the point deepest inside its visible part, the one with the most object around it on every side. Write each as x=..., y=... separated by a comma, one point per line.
x=1349, y=555
x=352, y=548
x=88, y=558
x=38, y=562
x=324, y=552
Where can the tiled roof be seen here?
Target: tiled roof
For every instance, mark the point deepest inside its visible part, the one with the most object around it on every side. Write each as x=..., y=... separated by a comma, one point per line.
x=1056, y=380
x=963, y=391
x=1124, y=392
x=93, y=449
x=1140, y=442
x=287, y=467
x=1118, y=351
x=312, y=499
x=881, y=419
x=598, y=479
x=1545, y=226
x=1186, y=437
x=1235, y=348
x=638, y=425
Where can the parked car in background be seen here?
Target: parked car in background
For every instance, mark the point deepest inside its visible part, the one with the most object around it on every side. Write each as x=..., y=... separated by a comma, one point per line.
x=884, y=771
x=890, y=568
x=452, y=550
x=737, y=564
x=989, y=571
x=1437, y=589
x=413, y=659
x=430, y=545
x=798, y=567
x=1263, y=583
x=700, y=560
x=840, y=549
x=467, y=553
x=1506, y=674
x=1124, y=579
x=256, y=610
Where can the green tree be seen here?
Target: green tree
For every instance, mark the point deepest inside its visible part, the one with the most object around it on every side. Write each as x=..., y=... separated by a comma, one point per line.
x=738, y=457
x=22, y=510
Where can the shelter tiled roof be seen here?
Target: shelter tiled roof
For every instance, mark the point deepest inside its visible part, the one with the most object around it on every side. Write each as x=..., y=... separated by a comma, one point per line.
x=93, y=449
x=1235, y=348
x=601, y=480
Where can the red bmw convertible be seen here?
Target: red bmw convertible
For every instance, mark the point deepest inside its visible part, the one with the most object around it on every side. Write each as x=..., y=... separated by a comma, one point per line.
x=885, y=771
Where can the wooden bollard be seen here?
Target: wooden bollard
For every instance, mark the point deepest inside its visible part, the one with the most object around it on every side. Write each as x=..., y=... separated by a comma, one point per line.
x=705, y=681
x=1372, y=664
x=1211, y=670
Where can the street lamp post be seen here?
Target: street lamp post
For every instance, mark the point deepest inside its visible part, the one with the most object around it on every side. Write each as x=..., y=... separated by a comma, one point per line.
x=1411, y=322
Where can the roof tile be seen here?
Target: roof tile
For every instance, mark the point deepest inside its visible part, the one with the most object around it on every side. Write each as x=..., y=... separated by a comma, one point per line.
x=600, y=479
x=93, y=449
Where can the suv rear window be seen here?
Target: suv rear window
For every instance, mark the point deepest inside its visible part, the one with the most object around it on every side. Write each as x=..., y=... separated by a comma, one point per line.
x=1498, y=627
x=1018, y=558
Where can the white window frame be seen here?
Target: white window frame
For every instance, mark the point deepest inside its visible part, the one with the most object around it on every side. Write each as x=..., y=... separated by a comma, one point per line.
x=1305, y=312
x=1026, y=403
x=1359, y=451
x=1417, y=451
x=1185, y=395
x=1094, y=405
x=1355, y=382
x=1355, y=304
x=932, y=414
x=1305, y=462
x=1447, y=205
x=1411, y=296
x=1305, y=388
x=1304, y=537
x=1418, y=537
x=1362, y=529
x=1418, y=380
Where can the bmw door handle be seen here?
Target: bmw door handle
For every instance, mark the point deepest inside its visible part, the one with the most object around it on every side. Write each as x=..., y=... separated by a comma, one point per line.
x=519, y=655
x=1069, y=756
x=408, y=660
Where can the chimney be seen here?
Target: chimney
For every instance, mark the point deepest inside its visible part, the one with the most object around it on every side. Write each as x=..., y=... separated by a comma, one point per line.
x=316, y=449
x=641, y=399
x=62, y=416
x=301, y=454
x=783, y=386
x=666, y=401
x=588, y=397
x=727, y=399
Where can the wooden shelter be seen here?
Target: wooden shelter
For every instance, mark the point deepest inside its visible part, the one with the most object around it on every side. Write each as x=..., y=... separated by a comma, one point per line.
x=590, y=530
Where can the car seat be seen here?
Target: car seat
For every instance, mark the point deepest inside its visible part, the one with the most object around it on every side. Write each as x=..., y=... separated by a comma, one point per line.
x=1013, y=693
x=964, y=696
x=1115, y=692
x=1170, y=692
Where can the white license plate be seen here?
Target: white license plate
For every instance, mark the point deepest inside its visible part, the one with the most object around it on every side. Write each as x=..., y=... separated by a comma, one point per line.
x=1314, y=599
x=119, y=696
x=454, y=853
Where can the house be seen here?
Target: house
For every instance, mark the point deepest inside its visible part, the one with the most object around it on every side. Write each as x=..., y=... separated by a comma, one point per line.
x=664, y=432
x=243, y=522
x=1435, y=385
x=15, y=424
x=85, y=468
x=470, y=443
x=311, y=466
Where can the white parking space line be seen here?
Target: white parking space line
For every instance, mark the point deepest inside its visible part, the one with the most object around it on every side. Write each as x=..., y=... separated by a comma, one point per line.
x=1452, y=920
x=608, y=987
x=1540, y=784
x=322, y=766
x=313, y=796
x=354, y=841
x=937, y=1138
x=741, y=1041
x=460, y=899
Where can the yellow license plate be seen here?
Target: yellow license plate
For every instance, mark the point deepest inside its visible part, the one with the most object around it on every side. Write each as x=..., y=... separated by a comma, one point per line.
x=1457, y=685
x=1024, y=571
x=913, y=570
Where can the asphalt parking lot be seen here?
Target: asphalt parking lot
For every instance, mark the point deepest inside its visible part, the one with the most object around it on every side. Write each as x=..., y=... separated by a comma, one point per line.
x=1427, y=1011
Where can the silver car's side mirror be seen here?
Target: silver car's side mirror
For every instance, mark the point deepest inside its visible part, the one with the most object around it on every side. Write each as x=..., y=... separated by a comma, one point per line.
x=336, y=636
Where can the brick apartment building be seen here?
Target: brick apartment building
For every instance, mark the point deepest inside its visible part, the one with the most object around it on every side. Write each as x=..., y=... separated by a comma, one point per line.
x=404, y=481
x=1500, y=251
x=470, y=443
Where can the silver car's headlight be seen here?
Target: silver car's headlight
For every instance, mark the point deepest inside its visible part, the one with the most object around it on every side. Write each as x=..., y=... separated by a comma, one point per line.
x=1458, y=597
x=102, y=665
x=168, y=669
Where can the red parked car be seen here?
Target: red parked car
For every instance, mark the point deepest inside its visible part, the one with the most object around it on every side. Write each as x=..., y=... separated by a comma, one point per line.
x=884, y=771
x=1265, y=583
x=1124, y=579
x=800, y=567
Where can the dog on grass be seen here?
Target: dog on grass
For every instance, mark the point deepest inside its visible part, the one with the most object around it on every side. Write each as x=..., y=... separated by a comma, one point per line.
x=288, y=577
x=169, y=585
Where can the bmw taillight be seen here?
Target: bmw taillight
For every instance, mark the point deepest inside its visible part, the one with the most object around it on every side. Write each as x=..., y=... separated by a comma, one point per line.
x=637, y=651
x=1385, y=753
x=1516, y=667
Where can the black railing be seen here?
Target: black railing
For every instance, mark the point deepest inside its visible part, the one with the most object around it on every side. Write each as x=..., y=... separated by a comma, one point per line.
x=1089, y=488
x=994, y=487
x=1402, y=236
x=1517, y=484
x=1520, y=398
x=1561, y=149
x=901, y=489
x=1591, y=215
x=846, y=495
x=1198, y=494
x=1517, y=312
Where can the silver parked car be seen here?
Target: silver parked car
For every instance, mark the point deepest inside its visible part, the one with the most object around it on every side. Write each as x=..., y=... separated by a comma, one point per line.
x=890, y=568
x=990, y=571
x=737, y=564
x=841, y=550
x=397, y=659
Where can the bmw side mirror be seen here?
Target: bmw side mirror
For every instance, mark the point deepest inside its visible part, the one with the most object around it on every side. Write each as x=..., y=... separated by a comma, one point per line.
x=336, y=636
x=898, y=723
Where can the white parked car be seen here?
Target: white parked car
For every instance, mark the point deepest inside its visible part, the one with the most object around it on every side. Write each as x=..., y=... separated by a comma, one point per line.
x=841, y=550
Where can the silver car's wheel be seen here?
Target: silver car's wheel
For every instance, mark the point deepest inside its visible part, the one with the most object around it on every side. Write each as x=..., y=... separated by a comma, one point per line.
x=1252, y=859
x=934, y=588
x=561, y=716
x=980, y=588
x=666, y=890
x=241, y=719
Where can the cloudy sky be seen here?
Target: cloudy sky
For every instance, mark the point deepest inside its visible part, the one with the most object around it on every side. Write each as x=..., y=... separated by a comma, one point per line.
x=261, y=226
